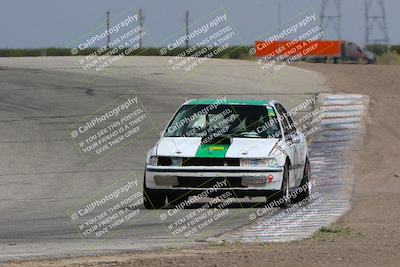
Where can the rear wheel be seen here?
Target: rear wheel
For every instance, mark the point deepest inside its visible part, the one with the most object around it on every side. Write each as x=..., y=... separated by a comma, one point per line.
x=152, y=199
x=304, y=189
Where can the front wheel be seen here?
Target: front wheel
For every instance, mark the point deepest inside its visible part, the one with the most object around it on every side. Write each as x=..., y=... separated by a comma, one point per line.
x=304, y=189
x=282, y=196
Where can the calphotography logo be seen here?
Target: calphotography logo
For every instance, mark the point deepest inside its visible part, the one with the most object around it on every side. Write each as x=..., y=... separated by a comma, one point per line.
x=209, y=37
x=203, y=212
x=101, y=49
x=300, y=38
x=108, y=211
x=113, y=126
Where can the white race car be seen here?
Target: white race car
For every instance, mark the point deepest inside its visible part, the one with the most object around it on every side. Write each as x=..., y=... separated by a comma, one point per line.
x=248, y=147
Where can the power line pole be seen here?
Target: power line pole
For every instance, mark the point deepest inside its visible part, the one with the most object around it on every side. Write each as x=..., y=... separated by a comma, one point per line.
x=375, y=20
x=333, y=18
x=108, y=28
x=141, y=20
x=187, y=29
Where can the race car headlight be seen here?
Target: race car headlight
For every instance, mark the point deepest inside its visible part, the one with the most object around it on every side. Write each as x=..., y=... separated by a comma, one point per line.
x=153, y=161
x=271, y=163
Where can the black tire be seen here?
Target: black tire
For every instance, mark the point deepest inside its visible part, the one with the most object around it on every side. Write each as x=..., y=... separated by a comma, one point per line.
x=304, y=182
x=152, y=199
x=282, y=196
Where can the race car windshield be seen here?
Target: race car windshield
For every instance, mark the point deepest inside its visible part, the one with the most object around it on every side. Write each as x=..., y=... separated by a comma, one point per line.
x=246, y=121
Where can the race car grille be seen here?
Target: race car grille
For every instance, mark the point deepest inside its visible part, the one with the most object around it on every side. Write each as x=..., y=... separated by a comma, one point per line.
x=166, y=161
x=207, y=182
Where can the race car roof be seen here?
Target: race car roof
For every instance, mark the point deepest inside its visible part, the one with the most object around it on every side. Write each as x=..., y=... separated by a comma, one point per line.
x=210, y=101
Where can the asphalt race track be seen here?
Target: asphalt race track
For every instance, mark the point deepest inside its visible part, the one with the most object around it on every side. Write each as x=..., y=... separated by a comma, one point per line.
x=43, y=177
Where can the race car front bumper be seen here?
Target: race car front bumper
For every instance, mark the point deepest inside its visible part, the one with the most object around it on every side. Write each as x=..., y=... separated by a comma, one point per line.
x=198, y=178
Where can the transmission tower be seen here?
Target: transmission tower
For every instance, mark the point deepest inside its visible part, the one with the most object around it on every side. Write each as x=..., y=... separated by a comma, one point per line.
x=108, y=29
x=375, y=19
x=334, y=19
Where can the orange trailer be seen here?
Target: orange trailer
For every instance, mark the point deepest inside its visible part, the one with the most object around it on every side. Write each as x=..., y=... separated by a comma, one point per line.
x=305, y=48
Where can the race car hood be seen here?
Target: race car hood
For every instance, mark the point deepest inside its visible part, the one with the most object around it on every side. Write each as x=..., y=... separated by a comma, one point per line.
x=237, y=148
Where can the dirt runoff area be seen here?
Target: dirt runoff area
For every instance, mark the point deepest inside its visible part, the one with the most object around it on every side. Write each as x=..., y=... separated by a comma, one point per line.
x=368, y=235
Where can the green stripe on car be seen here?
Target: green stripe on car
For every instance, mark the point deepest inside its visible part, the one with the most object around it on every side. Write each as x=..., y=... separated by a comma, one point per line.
x=209, y=101
x=212, y=151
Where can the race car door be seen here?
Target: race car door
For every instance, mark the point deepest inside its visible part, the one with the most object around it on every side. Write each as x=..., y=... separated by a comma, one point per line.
x=289, y=145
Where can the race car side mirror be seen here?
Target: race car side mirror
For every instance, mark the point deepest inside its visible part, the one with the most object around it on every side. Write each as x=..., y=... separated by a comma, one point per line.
x=295, y=138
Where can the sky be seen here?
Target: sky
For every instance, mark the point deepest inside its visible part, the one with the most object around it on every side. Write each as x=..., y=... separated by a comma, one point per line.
x=57, y=23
